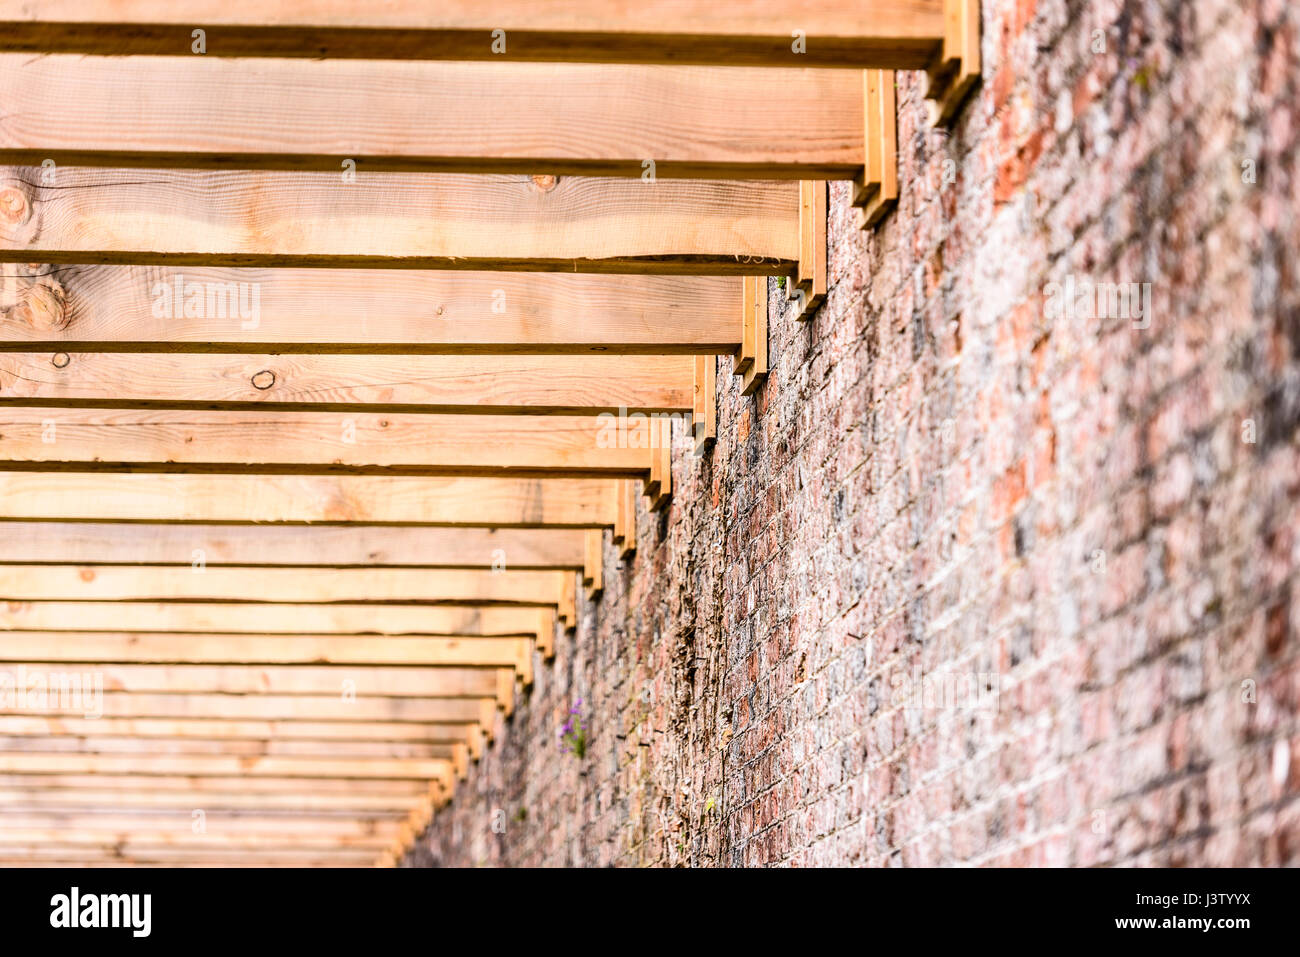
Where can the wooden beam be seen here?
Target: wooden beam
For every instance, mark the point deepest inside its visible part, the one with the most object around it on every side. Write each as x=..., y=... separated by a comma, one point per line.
x=248, y=499
x=364, y=311
x=41, y=727
x=363, y=681
x=208, y=765
x=163, y=648
x=339, y=546
x=755, y=370
x=809, y=284
x=704, y=420
x=221, y=583
x=316, y=443
x=593, y=574
x=877, y=191
x=444, y=384
x=265, y=618
x=276, y=707
x=564, y=119
x=955, y=69
x=401, y=221
x=663, y=464
x=900, y=34
x=410, y=791
x=359, y=804
x=225, y=857
x=216, y=823
x=627, y=507
x=66, y=744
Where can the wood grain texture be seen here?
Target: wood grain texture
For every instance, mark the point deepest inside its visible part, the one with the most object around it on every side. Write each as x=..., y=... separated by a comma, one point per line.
x=121, y=309
x=141, y=729
x=898, y=34
x=275, y=707
x=314, y=443
x=563, y=118
x=267, y=618
x=251, y=499
x=340, y=546
x=370, y=681
x=443, y=384
x=209, y=766
x=169, y=583
x=360, y=804
x=400, y=221
x=173, y=648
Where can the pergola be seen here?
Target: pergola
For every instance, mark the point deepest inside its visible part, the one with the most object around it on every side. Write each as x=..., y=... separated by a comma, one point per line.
x=337, y=335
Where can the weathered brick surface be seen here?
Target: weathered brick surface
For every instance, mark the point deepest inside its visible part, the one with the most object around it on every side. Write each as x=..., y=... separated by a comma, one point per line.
x=939, y=478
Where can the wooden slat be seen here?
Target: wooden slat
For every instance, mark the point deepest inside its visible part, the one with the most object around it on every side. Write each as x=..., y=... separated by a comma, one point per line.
x=900, y=34
x=225, y=857
x=315, y=443
x=359, y=804
x=704, y=418
x=756, y=331
x=366, y=681
x=163, y=648
x=41, y=727
x=274, y=619
x=500, y=384
x=396, y=220
x=274, y=707
x=244, y=499
x=67, y=744
x=221, y=583
x=207, y=766
x=340, y=546
x=409, y=790
x=566, y=119
x=877, y=191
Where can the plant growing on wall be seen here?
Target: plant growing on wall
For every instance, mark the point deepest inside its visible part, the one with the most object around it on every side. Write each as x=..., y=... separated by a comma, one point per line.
x=573, y=735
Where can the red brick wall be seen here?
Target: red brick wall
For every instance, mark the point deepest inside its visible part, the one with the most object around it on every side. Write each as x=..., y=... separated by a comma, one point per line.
x=939, y=479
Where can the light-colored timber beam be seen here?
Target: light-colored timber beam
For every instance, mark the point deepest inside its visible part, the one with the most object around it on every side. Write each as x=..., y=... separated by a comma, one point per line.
x=445, y=384
x=316, y=443
x=208, y=765
x=360, y=805
x=184, y=837
x=175, y=785
x=397, y=221
x=233, y=824
x=363, y=681
x=510, y=118
x=65, y=744
x=37, y=855
x=339, y=546
x=897, y=34
x=103, y=647
x=222, y=583
x=334, y=499
x=39, y=727
x=271, y=707
x=270, y=619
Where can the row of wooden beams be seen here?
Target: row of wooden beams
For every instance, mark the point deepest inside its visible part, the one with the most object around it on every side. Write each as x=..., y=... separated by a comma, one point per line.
x=65, y=744
x=339, y=546
x=334, y=499
x=900, y=34
x=210, y=765
x=565, y=119
x=442, y=384
x=268, y=442
x=401, y=221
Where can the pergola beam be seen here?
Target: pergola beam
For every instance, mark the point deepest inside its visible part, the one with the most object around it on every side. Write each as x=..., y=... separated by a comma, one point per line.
x=278, y=707
x=694, y=122
x=337, y=546
x=318, y=443
x=557, y=385
x=400, y=221
x=153, y=583
x=251, y=499
x=894, y=34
